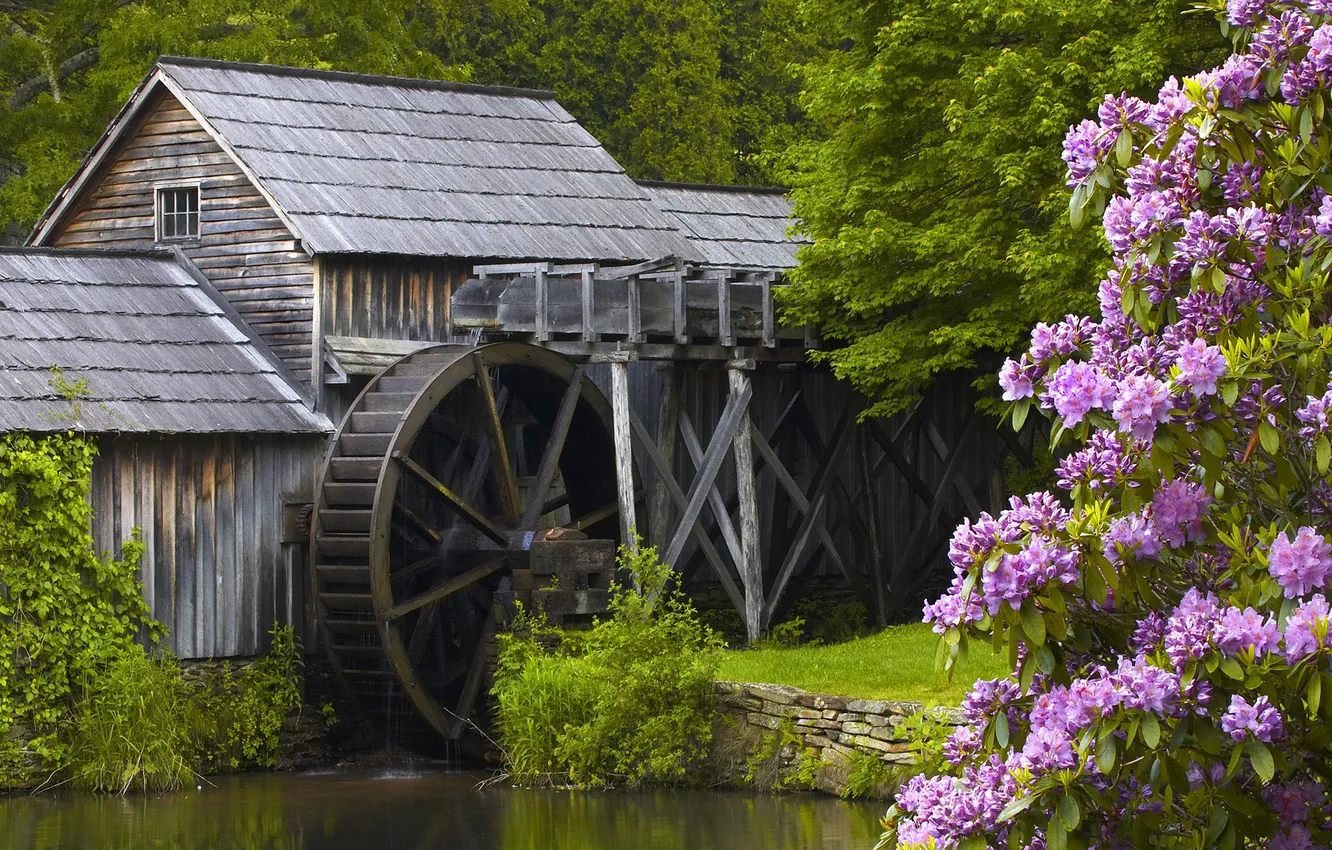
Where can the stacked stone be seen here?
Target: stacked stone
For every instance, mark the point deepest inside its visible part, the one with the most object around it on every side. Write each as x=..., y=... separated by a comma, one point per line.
x=836, y=725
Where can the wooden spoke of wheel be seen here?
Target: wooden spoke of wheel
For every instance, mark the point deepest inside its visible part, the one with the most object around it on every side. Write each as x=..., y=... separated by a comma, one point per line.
x=504, y=474
x=416, y=522
x=451, y=586
x=550, y=457
x=464, y=508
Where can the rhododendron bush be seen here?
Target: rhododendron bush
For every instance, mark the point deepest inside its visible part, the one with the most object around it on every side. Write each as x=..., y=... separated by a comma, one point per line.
x=1165, y=610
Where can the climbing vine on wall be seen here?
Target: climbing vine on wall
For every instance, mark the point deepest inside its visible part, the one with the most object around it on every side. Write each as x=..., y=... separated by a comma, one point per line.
x=64, y=607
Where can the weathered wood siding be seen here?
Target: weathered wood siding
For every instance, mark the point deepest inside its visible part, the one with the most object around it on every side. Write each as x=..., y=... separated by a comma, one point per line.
x=388, y=297
x=383, y=297
x=243, y=248
x=209, y=510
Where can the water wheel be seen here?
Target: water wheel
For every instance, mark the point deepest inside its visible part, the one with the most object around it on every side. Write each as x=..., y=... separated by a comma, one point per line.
x=443, y=471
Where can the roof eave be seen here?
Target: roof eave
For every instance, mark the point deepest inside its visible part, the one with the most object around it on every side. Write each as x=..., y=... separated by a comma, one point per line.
x=182, y=95
x=125, y=119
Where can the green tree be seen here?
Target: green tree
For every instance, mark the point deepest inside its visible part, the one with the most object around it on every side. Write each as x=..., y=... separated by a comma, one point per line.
x=934, y=194
x=66, y=66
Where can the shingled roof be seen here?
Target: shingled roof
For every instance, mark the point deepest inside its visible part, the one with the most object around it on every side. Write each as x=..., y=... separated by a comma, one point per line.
x=158, y=351
x=366, y=164
x=731, y=226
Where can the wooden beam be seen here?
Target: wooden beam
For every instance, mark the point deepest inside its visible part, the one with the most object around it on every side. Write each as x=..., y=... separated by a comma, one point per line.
x=550, y=456
x=725, y=330
x=736, y=406
x=618, y=272
x=624, y=452
x=941, y=450
x=472, y=684
x=769, y=320
x=505, y=478
x=721, y=514
x=449, y=587
x=952, y=466
x=668, y=424
x=751, y=567
x=634, y=319
x=542, y=294
x=677, y=495
x=589, y=306
x=798, y=497
x=824, y=478
x=464, y=509
x=679, y=314
x=894, y=452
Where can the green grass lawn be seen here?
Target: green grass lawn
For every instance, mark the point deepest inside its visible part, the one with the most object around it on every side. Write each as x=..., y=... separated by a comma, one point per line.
x=897, y=663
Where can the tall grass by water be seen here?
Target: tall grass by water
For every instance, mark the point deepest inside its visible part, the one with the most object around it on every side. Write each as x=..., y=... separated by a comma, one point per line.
x=897, y=663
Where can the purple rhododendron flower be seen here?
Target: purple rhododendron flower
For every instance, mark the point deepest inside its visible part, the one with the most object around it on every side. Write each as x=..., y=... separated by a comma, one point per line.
x=1189, y=628
x=1047, y=750
x=1246, y=630
x=1178, y=509
x=1200, y=366
x=1259, y=719
x=1141, y=402
x=1244, y=13
x=1306, y=629
x=1134, y=535
x=1016, y=377
x=1314, y=414
x=1302, y=565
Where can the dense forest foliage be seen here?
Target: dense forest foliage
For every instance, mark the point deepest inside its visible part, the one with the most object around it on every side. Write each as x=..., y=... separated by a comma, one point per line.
x=921, y=137
x=932, y=184
x=695, y=90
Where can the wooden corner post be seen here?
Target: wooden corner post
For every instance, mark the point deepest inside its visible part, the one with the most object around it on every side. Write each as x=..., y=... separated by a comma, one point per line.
x=624, y=449
x=751, y=571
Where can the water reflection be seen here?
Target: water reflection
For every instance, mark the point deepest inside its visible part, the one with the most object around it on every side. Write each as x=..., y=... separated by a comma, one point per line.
x=345, y=811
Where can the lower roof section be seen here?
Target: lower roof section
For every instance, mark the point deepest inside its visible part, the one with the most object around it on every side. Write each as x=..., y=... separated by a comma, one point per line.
x=114, y=341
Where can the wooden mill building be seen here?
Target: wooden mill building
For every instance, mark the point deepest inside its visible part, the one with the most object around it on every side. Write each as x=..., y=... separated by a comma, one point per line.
x=509, y=335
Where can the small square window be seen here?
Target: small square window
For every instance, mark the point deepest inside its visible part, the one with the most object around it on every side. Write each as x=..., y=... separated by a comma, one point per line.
x=178, y=213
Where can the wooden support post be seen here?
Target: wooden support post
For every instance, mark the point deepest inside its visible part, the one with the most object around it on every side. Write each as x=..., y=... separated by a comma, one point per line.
x=624, y=451
x=725, y=330
x=679, y=315
x=635, y=323
x=877, y=577
x=542, y=307
x=589, y=305
x=769, y=330
x=752, y=568
x=668, y=425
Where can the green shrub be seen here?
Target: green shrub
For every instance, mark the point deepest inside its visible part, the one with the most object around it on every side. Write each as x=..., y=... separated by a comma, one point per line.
x=630, y=703
x=131, y=726
x=65, y=609
x=239, y=718
x=870, y=776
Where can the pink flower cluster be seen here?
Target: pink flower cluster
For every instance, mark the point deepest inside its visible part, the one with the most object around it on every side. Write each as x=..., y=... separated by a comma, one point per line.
x=1301, y=565
x=1260, y=719
x=1195, y=235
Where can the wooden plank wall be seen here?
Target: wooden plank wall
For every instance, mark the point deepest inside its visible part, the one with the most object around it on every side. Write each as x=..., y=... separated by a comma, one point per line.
x=388, y=297
x=243, y=248
x=209, y=510
x=384, y=298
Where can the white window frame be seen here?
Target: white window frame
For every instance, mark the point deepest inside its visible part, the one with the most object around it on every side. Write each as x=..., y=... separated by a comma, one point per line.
x=158, y=190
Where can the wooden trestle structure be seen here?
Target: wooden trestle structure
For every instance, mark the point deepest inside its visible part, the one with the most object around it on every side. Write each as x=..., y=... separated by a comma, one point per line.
x=734, y=455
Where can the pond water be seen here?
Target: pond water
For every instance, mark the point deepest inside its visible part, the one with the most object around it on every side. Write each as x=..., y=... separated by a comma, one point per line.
x=416, y=811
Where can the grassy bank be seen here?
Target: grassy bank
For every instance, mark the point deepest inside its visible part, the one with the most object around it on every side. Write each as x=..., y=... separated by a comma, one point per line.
x=897, y=663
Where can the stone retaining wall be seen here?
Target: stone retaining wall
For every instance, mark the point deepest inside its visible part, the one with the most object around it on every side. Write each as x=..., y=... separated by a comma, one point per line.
x=834, y=727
